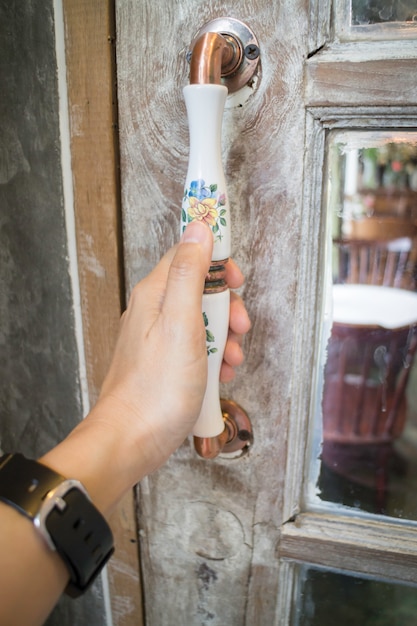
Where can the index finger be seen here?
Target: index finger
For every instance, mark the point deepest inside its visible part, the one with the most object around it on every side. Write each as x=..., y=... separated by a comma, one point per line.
x=234, y=276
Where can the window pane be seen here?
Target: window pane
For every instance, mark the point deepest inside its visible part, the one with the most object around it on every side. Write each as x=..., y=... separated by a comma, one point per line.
x=369, y=405
x=326, y=598
x=381, y=11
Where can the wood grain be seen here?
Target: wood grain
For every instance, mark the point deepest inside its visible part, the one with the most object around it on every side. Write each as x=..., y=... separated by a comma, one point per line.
x=93, y=117
x=361, y=82
x=209, y=529
x=386, y=550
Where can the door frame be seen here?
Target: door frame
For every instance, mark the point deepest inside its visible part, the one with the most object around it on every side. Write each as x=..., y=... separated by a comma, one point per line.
x=92, y=105
x=344, y=90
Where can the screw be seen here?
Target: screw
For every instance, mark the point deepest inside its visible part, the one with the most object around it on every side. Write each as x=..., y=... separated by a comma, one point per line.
x=251, y=52
x=244, y=435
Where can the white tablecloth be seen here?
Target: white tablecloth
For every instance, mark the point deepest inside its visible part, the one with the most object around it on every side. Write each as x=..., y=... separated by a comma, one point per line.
x=372, y=305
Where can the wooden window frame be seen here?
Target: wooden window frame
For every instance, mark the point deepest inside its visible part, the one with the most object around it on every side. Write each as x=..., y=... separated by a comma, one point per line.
x=318, y=533
x=344, y=31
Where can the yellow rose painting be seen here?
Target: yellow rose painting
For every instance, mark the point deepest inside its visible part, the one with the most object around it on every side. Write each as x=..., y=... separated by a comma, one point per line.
x=205, y=204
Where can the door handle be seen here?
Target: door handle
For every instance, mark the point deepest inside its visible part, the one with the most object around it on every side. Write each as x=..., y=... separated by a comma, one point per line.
x=223, y=56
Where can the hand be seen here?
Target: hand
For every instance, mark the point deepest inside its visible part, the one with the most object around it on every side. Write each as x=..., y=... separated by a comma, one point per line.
x=149, y=402
x=153, y=392
x=239, y=324
x=159, y=369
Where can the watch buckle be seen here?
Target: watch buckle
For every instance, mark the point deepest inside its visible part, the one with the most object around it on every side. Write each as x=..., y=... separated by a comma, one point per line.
x=55, y=499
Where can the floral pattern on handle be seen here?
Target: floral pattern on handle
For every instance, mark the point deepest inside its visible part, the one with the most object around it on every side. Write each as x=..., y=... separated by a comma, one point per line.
x=206, y=204
x=210, y=338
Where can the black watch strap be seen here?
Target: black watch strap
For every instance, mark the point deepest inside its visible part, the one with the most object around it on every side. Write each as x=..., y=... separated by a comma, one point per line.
x=63, y=514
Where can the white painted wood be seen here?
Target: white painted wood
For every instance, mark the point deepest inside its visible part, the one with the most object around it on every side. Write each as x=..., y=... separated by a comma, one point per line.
x=68, y=197
x=209, y=530
x=68, y=200
x=371, y=546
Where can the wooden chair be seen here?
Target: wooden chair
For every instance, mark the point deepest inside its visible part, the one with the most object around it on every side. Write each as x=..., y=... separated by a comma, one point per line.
x=389, y=263
x=366, y=375
x=364, y=405
x=377, y=251
x=379, y=228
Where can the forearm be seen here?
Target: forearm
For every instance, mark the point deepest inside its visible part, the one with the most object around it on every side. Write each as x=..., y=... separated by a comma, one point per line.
x=104, y=454
x=149, y=402
x=32, y=577
x=96, y=453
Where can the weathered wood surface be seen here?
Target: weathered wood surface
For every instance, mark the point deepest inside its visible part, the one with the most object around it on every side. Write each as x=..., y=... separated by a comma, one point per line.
x=90, y=61
x=353, y=79
x=92, y=115
x=372, y=547
x=209, y=530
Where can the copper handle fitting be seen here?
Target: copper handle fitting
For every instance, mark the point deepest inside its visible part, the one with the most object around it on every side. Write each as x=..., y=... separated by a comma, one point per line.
x=236, y=436
x=213, y=56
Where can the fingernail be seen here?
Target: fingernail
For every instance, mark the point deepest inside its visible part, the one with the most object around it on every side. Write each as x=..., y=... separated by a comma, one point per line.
x=196, y=232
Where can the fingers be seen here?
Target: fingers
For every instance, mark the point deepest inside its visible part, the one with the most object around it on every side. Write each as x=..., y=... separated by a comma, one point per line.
x=233, y=353
x=239, y=324
x=227, y=373
x=187, y=271
x=234, y=276
x=175, y=288
x=239, y=319
x=232, y=357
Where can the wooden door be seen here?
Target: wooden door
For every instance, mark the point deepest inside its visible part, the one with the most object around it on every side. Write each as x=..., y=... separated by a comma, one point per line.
x=218, y=538
x=210, y=530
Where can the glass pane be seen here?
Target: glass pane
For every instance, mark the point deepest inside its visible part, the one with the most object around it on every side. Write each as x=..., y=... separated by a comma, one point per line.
x=369, y=405
x=325, y=598
x=365, y=12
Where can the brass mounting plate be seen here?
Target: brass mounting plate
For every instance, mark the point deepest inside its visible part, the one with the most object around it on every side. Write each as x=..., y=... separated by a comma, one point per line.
x=247, y=50
x=243, y=438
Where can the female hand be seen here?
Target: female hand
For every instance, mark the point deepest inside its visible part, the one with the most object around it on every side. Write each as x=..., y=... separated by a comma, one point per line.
x=159, y=370
x=153, y=392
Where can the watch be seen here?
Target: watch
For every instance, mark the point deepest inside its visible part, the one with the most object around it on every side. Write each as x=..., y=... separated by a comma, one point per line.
x=62, y=513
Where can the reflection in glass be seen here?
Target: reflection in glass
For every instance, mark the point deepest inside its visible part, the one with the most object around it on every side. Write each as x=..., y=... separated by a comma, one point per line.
x=382, y=11
x=326, y=598
x=369, y=405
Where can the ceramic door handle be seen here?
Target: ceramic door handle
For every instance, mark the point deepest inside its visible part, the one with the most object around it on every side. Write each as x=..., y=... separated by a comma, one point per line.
x=206, y=199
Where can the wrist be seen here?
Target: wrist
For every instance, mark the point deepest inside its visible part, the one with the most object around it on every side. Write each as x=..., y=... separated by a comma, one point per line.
x=63, y=515
x=108, y=452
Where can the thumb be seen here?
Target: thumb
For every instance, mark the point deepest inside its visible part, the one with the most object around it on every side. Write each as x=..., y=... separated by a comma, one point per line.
x=187, y=272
